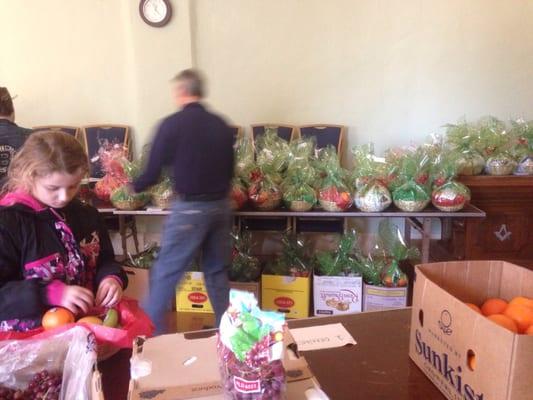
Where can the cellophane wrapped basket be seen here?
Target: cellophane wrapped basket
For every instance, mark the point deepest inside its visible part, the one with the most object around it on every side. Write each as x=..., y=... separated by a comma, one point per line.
x=111, y=159
x=244, y=267
x=162, y=194
x=461, y=140
x=250, y=350
x=370, y=176
x=272, y=151
x=298, y=194
x=334, y=194
x=448, y=195
x=522, y=135
x=413, y=195
x=238, y=194
x=264, y=194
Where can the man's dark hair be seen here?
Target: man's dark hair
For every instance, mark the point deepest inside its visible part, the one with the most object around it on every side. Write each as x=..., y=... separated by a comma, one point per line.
x=192, y=82
x=6, y=103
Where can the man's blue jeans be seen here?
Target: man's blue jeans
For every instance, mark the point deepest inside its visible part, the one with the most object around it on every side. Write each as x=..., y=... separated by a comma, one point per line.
x=192, y=228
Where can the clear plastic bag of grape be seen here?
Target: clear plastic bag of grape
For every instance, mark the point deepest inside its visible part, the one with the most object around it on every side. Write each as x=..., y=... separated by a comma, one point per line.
x=52, y=367
x=250, y=350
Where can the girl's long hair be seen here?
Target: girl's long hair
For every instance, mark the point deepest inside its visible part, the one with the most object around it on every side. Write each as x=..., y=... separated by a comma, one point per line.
x=44, y=153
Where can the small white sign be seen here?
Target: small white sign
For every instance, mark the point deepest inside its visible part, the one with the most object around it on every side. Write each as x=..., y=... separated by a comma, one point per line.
x=322, y=337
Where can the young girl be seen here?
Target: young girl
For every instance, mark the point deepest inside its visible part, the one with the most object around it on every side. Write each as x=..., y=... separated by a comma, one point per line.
x=54, y=250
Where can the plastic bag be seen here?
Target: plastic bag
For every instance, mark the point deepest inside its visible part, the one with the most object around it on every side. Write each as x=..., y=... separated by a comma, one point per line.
x=342, y=261
x=244, y=267
x=49, y=362
x=395, y=251
x=263, y=192
x=250, y=350
x=244, y=157
x=371, y=175
x=293, y=261
x=461, y=139
x=272, y=151
x=134, y=322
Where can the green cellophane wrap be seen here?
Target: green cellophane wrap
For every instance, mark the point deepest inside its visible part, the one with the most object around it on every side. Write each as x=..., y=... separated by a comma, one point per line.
x=342, y=261
x=272, y=151
x=244, y=267
x=294, y=259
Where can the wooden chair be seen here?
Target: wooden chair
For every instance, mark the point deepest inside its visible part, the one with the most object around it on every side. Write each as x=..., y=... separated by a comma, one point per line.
x=237, y=132
x=96, y=136
x=286, y=132
x=71, y=130
x=325, y=135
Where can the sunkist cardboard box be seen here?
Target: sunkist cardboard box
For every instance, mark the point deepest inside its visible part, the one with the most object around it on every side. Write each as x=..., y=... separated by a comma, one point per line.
x=337, y=294
x=377, y=298
x=287, y=294
x=445, y=332
x=176, y=366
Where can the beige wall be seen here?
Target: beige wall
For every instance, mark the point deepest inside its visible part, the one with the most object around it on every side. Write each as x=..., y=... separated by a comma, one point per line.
x=393, y=71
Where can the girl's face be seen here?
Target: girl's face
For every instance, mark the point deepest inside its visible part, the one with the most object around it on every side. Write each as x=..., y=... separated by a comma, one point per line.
x=57, y=189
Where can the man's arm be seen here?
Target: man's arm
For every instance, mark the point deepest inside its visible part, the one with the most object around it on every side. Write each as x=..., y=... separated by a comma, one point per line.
x=160, y=156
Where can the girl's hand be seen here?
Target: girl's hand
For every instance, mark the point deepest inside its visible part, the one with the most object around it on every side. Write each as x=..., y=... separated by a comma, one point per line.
x=77, y=299
x=109, y=292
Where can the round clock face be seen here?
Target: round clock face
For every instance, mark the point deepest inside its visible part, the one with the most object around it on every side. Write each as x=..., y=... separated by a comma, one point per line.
x=155, y=12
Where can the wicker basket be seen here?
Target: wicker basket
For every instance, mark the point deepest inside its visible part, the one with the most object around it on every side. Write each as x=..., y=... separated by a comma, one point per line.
x=271, y=204
x=330, y=206
x=300, y=206
x=372, y=203
x=525, y=167
x=129, y=205
x=411, y=206
x=500, y=167
x=455, y=208
x=163, y=202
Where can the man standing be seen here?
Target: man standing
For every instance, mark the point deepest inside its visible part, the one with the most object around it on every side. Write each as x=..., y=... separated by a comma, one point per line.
x=12, y=137
x=198, y=146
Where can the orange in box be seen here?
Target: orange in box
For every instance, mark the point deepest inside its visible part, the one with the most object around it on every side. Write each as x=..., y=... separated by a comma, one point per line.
x=462, y=352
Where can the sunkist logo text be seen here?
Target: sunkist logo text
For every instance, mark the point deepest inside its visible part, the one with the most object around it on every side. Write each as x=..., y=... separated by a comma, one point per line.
x=439, y=361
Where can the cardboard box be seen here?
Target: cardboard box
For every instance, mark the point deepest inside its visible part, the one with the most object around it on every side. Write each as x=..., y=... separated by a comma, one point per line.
x=189, y=321
x=337, y=294
x=252, y=287
x=138, y=283
x=378, y=298
x=191, y=294
x=286, y=294
x=445, y=332
x=173, y=366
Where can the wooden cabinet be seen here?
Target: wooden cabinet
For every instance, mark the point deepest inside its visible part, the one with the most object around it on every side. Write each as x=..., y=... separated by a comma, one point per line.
x=507, y=231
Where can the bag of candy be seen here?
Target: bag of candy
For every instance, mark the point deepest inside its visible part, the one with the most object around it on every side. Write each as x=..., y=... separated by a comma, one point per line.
x=250, y=350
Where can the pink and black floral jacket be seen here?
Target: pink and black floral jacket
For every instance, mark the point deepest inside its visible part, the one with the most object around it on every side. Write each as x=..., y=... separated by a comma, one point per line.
x=41, y=250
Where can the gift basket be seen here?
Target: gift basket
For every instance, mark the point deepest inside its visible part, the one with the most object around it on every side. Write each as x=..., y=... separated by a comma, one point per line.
x=48, y=367
x=342, y=261
x=145, y=259
x=522, y=135
x=263, y=191
x=370, y=177
x=334, y=194
x=494, y=144
x=238, y=194
x=448, y=195
x=244, y=267
x=293, y=261
x=163, y=193
x=413, y=195
x=298, y=193
x=111, y=160
x=272, y=151
x=250, y=350
x=122, y=197
x=461, y=139
x=394, y=250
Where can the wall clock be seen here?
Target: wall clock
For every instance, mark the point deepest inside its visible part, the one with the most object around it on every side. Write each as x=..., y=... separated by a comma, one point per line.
x=156, y=13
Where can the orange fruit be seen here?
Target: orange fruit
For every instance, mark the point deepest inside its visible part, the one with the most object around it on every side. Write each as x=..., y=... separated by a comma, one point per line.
x=91, y=320
x=474, y=307
x=493, y=306
x=523, y=301
x=57, y=316
x=522, y=315
x=529, y=331
x=505, y=321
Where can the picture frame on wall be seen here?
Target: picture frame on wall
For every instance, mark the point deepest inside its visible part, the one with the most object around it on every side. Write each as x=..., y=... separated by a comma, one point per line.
x=98, y=138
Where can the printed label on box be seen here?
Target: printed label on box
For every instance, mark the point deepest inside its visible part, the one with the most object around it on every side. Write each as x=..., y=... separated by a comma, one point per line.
x=378, y=298
x=191, y=294
x=286, y=294
x=337, y=294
